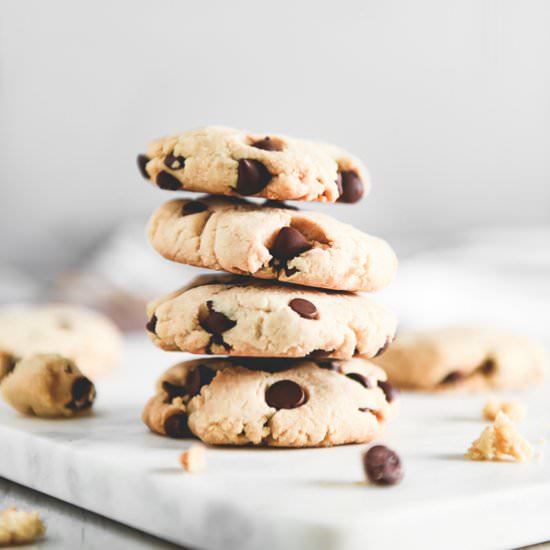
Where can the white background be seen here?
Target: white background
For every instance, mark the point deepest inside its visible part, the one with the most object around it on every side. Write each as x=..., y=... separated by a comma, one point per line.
x=447, y=102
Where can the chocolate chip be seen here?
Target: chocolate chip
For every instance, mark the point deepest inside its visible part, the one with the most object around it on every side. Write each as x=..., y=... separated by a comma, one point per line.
x=173, y=390
x=82, y=393
x=151, y=325
x=383, y=348
x=359, y=378
x=267, y=144
x=173, y=162
x=285, y=394
x=289, y=243
x=304, y=308
x=193, y=207
x=331, y=365
x=452, y=377
x=252, y=177
x=366, y=410
x=382, y=466
x=176, y=425
x=216, y=322
x=319, y=353
x=390, y=391
x=269, y=203
x=168, y=181
x=350, y=187
x=142, y=161
x=197, y=378
x=487, y=367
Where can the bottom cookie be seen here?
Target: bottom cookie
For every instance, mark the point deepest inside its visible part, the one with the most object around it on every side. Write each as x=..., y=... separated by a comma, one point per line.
x=273, y=402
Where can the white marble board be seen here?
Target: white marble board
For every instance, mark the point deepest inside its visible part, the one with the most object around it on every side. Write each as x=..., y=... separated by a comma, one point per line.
x=285, y=499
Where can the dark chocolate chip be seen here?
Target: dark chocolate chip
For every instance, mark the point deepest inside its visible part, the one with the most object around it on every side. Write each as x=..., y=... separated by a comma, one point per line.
x=197, y=378
x=173, y=390
x=487, y=367
x=151, y=325
x=285, y=394
x=382, y=465
x=269, y=203
x=304, y=308
x=383, y=348
x=331, y=365
x=173, y=162
x=168, y=181
x=359, y=378
x=350, y=187
x=193, y=207
x=9, y=364
x=289, y=243
x=176, y=425
x=390, y=391
x=267, y=144
x=142, y=161
x=319, y=353
x=252, y=177
x=82, y=393
x=452, y=377
x=216, y=322
x=366, y=410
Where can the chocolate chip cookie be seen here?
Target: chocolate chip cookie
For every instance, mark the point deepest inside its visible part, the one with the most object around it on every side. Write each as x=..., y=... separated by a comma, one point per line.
x=223, y=161
x=464, y=358
x=271, y=241
x=48, y=386
x=275, y=402
x=231, y=315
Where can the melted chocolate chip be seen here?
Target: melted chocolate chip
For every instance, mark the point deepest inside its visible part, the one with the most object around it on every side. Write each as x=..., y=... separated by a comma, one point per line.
x=142, y=161
x=252, y=177
x=390, y=391
x=289, y=243
x=452, y=377
x=269, y=203
x=173, y=390
x=82, y=393
x=168, y=181
x=383, y=348
x=285, y=394
x=173, y=162
x=350, y=187
x=216, y=322
x=193, y=207
x=304, y=308
x=151, y=325
x=359, y=378
x=267, y=144
x=197, y=378
x=382, y=466
x=331, y=365
x=487, y=367
x=176, y=425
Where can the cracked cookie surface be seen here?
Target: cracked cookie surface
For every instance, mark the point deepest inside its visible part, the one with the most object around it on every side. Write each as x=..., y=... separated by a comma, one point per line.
x=465, y=358
x=274, y=402
x=271, y=241
x=229, y=315
x=224, y=161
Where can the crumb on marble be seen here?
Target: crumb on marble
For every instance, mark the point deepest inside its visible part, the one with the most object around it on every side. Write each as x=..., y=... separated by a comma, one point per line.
x=20, y=527
x=193, y=459
x=514, y=409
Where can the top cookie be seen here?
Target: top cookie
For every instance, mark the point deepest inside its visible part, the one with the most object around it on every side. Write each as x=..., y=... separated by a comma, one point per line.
x=223, y=161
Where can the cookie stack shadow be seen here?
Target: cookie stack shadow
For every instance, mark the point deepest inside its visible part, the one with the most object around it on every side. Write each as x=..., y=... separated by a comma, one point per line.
x=290, y=334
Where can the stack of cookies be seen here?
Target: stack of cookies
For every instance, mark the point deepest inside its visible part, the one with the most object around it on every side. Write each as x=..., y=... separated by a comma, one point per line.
x=294, y=335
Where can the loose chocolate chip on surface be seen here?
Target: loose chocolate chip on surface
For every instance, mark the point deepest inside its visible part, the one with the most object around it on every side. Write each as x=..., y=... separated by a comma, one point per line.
x=173, y=390
x=383, y=348
x=359, y=378
x=176, y=425
x=289, y=243
x=197, y=378
x=270, y=203
x=487, y=367
x=216, y=322
x=331, y=365
x=82, y=392
x=252, y=177
x=390, y=391
x=151, y=325
x=285, y=394
x=193, y=207
x=142, y=161
x=453, y=376
x=382, y=465
x=304, y=308
x=267, y=144
x=168, y=181
x=173, y=162
x=350, y=187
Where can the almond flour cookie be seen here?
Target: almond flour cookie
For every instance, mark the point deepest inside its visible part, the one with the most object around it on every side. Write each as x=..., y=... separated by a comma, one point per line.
x=275, y=402
x=241, y=316
x=86, y=337
x=271, y=241
x=464, y=358
x=223, y=161
x=48, y=386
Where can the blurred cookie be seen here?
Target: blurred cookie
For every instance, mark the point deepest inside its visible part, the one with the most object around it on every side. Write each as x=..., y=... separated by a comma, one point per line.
x=463, y=358
x=19, y=527
x=86, y=337
x=48, y=386
x=230, y=315
x=223, y=161
x=271, y=241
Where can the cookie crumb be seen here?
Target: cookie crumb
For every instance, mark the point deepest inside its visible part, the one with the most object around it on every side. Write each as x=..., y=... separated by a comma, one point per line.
x=193, y=459
x=501, y=441
x=514, y=410
x=19, y=527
